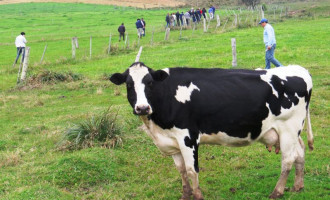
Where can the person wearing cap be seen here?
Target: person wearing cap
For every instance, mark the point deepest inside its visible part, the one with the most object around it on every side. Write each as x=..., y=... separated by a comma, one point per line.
x=20, y=45
x=270, y=43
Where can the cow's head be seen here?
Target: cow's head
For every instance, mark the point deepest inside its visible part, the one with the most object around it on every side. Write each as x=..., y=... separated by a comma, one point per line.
x=139, y=81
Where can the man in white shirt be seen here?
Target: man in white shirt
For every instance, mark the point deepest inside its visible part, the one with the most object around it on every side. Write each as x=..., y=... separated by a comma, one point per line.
x=20, y=45
x=270, y=43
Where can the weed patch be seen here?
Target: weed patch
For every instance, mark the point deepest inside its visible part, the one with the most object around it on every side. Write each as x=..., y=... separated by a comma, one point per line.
x=98, y=130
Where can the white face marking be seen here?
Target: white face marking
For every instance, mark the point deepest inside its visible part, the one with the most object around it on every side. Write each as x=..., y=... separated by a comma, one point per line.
x=137, y=73
x=183, y=93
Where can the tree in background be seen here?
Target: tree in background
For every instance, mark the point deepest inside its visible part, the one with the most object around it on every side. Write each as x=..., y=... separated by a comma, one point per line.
x=252, y=3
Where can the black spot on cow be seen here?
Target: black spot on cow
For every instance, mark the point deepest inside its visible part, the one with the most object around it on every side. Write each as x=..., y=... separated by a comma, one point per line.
x=287, y=91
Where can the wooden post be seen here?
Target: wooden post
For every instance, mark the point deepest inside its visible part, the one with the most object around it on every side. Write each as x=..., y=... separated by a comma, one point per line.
x=138, y=55
x=90, y=48
x=77, y=44
x=274, y=14
x=19, y=70
x=167, y=33
x=139, y=41
x=218, y=21
x=180, y=33
x=204, y=23
x=262, y=13
x=43, y=54
x=127, y=41
x=152, y=36
x=109, y=48
x=73, y=48
x=233, y=48
x=235, y=20
x=25, y=63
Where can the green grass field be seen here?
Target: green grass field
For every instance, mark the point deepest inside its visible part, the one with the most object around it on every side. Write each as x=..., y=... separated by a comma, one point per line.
x=33, y=120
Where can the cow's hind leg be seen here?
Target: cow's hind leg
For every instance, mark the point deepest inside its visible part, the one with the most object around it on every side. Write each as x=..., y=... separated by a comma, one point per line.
x=179, y=163
x=288, y=148
x=299, y=164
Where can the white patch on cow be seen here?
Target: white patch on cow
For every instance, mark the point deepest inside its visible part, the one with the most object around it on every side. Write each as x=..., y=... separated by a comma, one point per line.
x=137, y=73
x=284, y=72
x=167, y=70
x=183, y=93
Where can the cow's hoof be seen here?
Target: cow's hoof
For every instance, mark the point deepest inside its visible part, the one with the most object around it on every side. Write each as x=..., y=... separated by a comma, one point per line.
x=187, y=192
x=275, y=195
x=297, y=189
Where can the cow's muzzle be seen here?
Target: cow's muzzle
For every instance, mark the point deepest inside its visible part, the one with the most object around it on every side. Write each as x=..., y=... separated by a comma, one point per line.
x=142, y=110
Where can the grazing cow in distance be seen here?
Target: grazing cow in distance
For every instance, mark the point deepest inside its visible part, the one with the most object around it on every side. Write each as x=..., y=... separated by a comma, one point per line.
x=185, y=107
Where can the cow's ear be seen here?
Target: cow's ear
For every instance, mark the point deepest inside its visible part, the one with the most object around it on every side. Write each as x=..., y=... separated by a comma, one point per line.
x=159, y=75
x=118, y=78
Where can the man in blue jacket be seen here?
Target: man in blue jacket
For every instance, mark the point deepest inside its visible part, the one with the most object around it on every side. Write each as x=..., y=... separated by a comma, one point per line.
x=139, y=27
x=270, y=43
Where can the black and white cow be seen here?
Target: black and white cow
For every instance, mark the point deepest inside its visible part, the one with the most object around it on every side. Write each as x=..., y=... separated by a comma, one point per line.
x=184, y=107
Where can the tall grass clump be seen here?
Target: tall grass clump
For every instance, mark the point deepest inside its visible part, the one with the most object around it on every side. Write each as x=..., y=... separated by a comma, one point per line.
x=98, y=130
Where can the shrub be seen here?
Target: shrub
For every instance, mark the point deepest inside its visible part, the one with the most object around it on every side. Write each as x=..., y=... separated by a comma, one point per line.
x=51, y=77
x=100, y=130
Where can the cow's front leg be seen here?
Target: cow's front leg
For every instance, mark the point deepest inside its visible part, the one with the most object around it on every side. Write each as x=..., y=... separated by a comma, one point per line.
x=179, y=163
x=189, y=151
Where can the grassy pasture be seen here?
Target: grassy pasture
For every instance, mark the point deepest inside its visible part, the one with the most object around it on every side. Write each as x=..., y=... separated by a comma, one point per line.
x=33, y=120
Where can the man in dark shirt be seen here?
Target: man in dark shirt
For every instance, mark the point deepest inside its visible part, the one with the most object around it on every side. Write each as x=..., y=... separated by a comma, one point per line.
x=177, y=14
x=139, y=27
x=121, y=30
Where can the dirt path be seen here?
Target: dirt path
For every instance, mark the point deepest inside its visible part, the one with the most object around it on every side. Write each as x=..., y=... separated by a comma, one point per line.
x=133, y=3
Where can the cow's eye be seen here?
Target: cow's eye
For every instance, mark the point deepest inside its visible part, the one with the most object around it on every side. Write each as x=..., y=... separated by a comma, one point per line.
x=129, y=85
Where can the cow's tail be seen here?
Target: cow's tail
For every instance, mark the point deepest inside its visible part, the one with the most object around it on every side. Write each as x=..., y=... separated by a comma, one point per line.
x=310, y=136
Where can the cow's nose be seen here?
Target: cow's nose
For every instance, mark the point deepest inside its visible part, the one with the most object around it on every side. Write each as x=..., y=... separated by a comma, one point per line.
x=142, y=110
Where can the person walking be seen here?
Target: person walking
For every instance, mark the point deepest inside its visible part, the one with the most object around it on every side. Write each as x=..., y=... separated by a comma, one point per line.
x=211, y=13
x=167, y=19
x=121, y=30
x=144, y=27
x=187, y=16
x=270, y=44
x=203, y=12
x=177, y=14
x=20, y=42
x=139, y=27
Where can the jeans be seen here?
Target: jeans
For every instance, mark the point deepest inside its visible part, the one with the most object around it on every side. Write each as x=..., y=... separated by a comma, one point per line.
x=20, y=50
x=121, y=35
x=270, y=58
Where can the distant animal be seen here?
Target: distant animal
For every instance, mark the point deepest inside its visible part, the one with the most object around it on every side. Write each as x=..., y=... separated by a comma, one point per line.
x=185, y=107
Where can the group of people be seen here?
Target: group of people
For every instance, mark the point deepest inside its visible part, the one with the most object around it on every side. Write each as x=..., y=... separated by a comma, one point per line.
x=268, y=37
x=176, y=19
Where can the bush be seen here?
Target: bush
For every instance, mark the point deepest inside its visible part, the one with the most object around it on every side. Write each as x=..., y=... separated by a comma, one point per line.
x=46, y=76
x=100, y=130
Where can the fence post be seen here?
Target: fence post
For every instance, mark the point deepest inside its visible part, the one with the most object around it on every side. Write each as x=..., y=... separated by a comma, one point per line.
x=204, y=23
x=233, y=48
x=167, y=33
x=180, y=32
x=25, y=63
x=138, y=55
x=43, y=54
x=127, y=41
x=19, y=69
x=138, y=41
x=90, y=48
x=218, y=20
x=109, y=48
x=73, y=48
x=152, y=36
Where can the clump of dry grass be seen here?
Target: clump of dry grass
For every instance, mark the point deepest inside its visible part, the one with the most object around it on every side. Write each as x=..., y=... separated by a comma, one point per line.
x=98, y=130
x=11, y=159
